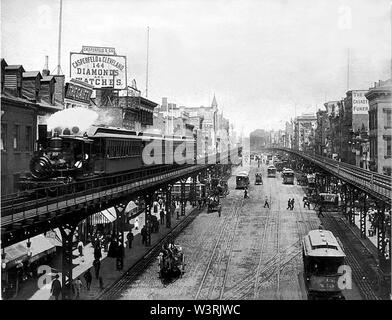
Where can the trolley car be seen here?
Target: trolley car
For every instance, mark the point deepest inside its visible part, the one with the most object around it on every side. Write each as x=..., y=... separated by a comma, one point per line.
x=258, y=178
x=322, y=258
x=271, y=171
x=242, y=180
x=288, y=176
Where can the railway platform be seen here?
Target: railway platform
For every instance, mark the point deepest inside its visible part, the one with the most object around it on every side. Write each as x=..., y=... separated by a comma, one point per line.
x=108, y=272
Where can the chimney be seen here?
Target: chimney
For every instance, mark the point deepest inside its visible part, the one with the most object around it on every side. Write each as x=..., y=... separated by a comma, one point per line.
x=45, y=71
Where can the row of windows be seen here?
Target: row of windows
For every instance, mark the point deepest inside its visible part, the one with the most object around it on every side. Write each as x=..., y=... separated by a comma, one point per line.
x=125, y=148
x=17, y=136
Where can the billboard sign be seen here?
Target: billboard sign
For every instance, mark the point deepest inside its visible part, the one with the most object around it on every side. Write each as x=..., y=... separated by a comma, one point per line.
x=359, y=102
x=78, y=91
x=99, y=70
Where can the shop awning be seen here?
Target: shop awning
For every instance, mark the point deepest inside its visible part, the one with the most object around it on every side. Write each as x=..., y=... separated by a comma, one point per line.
x=54, y=236
x=103, y=217
x=40, y=246
x=15, y=254
x=18, y=252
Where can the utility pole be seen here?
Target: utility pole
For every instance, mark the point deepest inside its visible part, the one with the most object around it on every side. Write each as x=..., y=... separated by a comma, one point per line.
x=348, y=69
x=59, y=44
x=148, y=43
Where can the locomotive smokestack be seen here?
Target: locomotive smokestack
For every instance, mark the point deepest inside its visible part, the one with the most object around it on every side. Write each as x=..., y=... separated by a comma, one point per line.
x=55, y=142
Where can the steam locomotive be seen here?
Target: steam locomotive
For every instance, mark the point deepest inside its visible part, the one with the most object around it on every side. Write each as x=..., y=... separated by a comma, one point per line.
x=68, y=155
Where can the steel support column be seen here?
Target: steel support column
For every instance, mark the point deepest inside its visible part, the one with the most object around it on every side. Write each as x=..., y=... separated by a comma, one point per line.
x=381, y=230
x=119, y=234
x=183, y=200
x=168, y=205
x=148, y=199
x=363, y=215
x=193, y=190
x=67, y=232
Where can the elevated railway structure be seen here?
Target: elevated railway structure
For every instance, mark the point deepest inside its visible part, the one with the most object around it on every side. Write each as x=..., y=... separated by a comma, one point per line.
x=359, y=190
x=63, y=206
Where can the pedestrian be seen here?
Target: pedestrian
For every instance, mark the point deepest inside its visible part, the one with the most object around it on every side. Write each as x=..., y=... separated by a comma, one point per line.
x=292, y=204
x=88, y=277
x=97, y=252
x=266, y=202
x=160, y=201
x=288, y=204
x=162, y=216
x=155, y=205
x=219, y=211
x=137, y=223
x=246, y=194
x=56, y=287
x=304, y=199
x=97, y=266
x=130, y=239
x=80, y=248
x=320, y=212
x=101, y=283
x=143, y=233
x=78, y=287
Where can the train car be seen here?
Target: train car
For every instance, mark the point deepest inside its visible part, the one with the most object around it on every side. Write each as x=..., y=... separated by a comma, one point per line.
x=65, y=156
x=288, y=176
x=322, y=259
x=271, y=171
x=242, y=180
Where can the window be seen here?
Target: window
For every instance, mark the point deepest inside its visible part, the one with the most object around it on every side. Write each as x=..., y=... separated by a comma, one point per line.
x=16, y=139
x=3, y=142
x=29, y=139
x=387, y=117
x=388, y=147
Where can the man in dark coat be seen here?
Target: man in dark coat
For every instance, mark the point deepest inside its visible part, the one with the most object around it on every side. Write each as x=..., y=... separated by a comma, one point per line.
x=162, y=216
x=130, y=239
x=97, y=266
x=56, y=287
x=143, y=233
x=88, y=277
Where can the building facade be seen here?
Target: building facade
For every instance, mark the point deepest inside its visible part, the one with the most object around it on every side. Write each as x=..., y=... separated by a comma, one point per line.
x=380, y=126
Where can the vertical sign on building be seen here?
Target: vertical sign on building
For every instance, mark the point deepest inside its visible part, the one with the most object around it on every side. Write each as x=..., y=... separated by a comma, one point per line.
x=359, y=102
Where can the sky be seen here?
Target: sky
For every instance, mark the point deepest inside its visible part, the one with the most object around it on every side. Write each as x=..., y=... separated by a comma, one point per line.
x=265, y=60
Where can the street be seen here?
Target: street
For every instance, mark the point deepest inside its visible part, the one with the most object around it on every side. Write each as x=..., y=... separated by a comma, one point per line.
x=250, y=252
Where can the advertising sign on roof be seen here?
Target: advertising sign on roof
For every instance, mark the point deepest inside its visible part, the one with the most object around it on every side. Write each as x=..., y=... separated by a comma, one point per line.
x=99, y=70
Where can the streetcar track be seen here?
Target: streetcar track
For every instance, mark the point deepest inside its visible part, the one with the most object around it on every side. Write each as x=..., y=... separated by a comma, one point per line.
x=207, y=269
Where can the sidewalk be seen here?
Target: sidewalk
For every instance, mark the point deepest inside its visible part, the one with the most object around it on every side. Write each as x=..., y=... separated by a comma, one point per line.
x=108, y=272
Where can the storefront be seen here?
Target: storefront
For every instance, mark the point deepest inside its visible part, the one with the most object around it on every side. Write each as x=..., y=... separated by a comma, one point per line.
x=20, y=262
